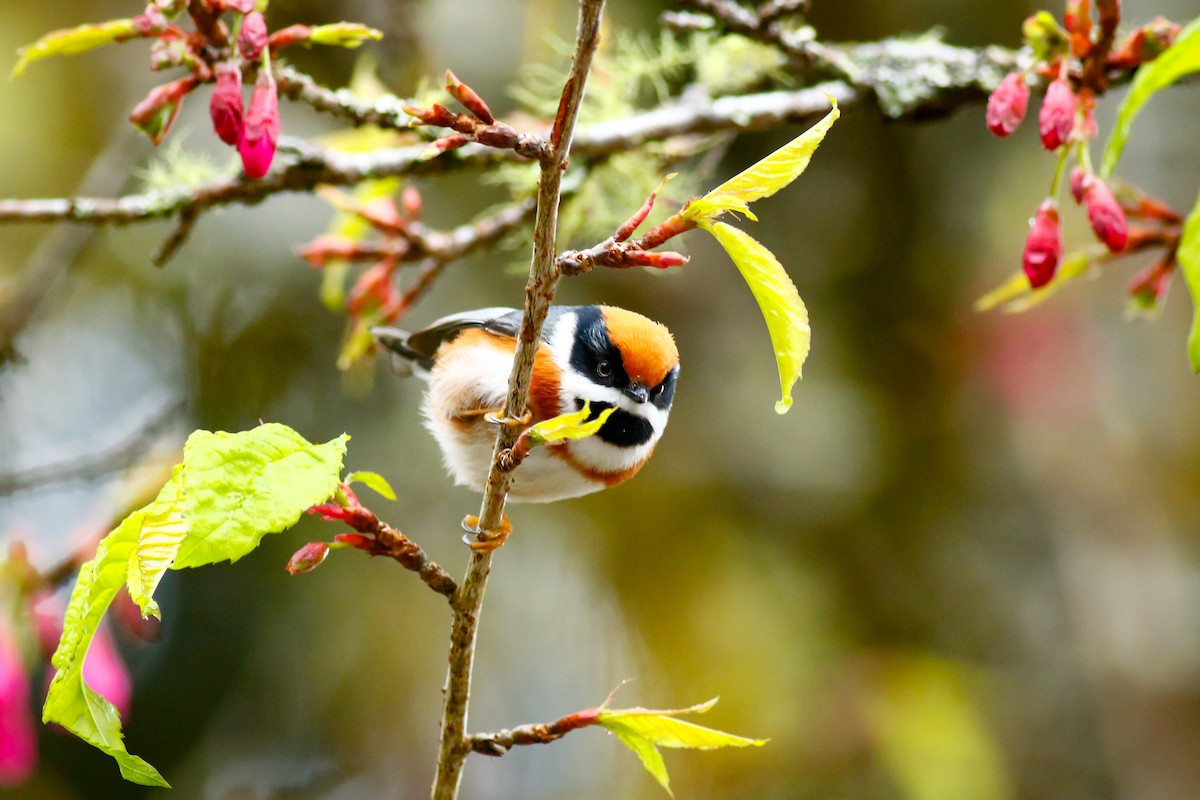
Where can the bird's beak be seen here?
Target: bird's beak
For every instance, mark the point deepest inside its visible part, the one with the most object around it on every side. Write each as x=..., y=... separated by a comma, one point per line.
x=637, y=392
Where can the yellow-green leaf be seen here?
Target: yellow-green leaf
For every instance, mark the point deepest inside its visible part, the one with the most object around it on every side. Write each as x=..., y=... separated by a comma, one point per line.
x=574, y=425
x=73, y=40
x=644, y=730
x=162, y=529
x=780, y=303
x=1016, y=295
x=1189, y=262
x=767, y=176
x=373, y=480
x=343, y=34
x=1178, y=60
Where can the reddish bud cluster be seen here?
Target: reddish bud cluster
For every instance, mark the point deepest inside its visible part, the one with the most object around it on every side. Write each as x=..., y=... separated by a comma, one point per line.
x=1043, y=245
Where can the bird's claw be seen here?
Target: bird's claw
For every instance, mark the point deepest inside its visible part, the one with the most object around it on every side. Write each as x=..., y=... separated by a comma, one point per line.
x=485, y=541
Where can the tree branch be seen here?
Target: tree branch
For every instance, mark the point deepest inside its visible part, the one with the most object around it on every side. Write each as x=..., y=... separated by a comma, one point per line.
x=539, y=291
x=499, y=743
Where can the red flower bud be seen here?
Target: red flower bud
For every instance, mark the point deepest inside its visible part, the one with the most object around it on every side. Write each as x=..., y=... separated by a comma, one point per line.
x=1105, y=215
x=158, y=110
x=325, y=248
x=467, y=96
x=1148, y=289
x=260, y=133
x=253, y=36
x=307, y=558
x=657, y=259
x=445, y=144
x=1057, y=116
x=292, y=34
x=1006, y=105
x=410, y=199
x=225, y=108
x=1043, y=246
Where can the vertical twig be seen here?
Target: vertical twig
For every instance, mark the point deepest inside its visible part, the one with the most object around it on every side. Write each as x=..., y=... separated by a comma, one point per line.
x=539, y=291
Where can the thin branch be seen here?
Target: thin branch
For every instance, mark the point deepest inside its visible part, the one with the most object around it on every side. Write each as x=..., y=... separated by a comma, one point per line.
x=906, y=78
x=393, y=544
x=539, y=291
x=98, y=464
x=500, y=742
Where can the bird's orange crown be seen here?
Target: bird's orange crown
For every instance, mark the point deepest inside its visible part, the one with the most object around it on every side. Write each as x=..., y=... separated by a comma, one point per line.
x=647, y=348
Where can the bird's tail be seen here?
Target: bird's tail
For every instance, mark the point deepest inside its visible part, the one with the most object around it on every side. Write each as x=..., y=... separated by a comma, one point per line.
x=405, y=361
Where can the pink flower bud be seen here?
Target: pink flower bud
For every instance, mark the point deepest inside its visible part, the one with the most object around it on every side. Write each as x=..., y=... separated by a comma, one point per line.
x=225, y=108
x=260, y=133
x=1057, y=116
x=18, y=732
x=1006, y=105
x=158, y=110
x=307, y=558
x=253, y=36
x=1043, y=246
x=1105, y=215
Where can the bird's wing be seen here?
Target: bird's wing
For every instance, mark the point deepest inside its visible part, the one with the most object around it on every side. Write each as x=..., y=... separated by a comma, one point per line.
x=424, y=343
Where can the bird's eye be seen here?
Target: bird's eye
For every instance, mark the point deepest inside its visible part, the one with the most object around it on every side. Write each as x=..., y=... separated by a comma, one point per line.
x=604, y=369
x=656, y=391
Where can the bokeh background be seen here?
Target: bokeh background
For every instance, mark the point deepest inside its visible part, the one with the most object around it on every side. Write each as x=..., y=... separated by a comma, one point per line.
x=965, y=566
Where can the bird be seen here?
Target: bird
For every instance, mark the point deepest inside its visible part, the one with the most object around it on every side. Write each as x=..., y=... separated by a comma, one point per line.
x=594, y=355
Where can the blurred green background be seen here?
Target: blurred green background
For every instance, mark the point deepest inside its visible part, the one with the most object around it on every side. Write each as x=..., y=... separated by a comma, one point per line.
x=964, y=566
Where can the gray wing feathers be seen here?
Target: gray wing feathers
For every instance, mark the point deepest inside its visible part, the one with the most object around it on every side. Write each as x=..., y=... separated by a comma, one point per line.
x=416, y=350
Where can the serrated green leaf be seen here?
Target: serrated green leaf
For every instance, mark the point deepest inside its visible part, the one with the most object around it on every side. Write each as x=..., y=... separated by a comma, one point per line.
x=574, y=425
x=1016, y=295
x=1188, y=257
x=780, y=303
x=644, y=730
x=265, y=474
x=343, y=34
x=73, y=40
x=1178, y=60
x=70, y=702
x=374, y=481
x=766, y=177
x=241, y=486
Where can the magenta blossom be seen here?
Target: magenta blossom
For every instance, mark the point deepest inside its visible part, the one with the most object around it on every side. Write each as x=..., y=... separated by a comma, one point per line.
x=260, y=133
x=18, y=734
